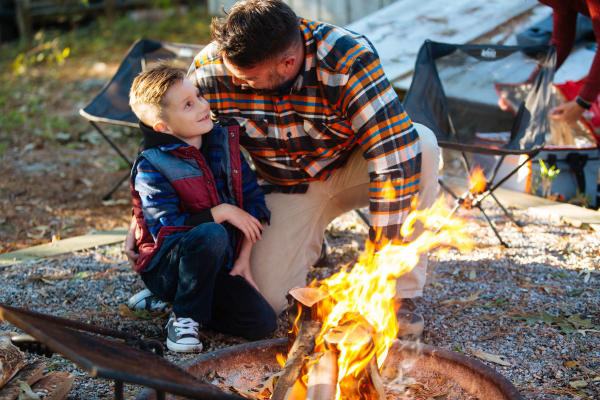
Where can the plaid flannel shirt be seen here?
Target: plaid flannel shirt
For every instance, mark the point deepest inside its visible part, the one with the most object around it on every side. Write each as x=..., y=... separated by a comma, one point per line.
x=341, y=98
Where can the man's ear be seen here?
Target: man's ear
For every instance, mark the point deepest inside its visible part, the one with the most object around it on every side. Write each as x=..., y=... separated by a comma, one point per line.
x=287, y=65
x=161, y=126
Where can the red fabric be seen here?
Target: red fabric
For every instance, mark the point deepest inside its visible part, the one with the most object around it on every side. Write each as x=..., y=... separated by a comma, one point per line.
x=563, y=37
x=569, y=89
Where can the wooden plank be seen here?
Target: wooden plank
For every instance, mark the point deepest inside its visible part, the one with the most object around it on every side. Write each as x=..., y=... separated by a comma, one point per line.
x=64, y=246
x=398, y=30
x=572, y=214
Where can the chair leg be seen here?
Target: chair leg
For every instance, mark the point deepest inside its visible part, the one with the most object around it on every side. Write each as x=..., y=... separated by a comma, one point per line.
x=508, y=214
x=115, y=187
x=493, y=226
x=447, y=189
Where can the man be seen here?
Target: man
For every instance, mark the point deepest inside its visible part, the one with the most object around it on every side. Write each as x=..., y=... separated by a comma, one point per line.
x=326, y=132
x=563, y=37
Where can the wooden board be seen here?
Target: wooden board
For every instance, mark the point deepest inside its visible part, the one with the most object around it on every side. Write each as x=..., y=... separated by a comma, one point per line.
x=398, y=30
x=64, y=246
x=577, y=216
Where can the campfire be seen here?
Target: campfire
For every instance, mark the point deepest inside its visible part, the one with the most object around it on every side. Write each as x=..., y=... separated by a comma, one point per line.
x=344, y=326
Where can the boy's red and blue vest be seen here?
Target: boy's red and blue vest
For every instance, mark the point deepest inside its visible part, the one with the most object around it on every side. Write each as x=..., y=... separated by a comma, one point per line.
x=185, y=168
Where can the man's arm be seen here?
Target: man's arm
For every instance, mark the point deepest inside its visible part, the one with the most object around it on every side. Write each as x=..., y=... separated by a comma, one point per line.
x=389, y=142
x=253, y=195
x=563, y=37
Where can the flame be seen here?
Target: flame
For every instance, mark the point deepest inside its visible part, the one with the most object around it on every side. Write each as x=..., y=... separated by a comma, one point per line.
x=477, y=181
x=281, y=359
x=360, y=309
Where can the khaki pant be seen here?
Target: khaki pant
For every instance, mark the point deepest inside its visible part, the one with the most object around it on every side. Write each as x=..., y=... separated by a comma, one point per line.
x=291, y=244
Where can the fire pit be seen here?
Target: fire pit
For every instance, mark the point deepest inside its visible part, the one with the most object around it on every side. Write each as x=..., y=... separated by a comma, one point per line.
x=341, y=343
x=245, y=367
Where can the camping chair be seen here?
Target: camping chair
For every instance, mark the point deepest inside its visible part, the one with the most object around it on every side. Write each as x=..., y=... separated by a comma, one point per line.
x=111, y=105
x=455, y=91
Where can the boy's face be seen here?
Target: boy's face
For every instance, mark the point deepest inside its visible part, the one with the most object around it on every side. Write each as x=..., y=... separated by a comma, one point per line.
x=187, y=114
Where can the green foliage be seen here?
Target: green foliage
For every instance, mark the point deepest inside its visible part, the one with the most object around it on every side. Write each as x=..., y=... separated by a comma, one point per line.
x=2, y=148
x=547, y=175
x=41, y=81
x=48, y=53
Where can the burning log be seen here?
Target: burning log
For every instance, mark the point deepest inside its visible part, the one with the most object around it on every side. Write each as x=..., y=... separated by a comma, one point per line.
x=301, y=349
x=322, y=377
x=364, y=381
x=11, y=360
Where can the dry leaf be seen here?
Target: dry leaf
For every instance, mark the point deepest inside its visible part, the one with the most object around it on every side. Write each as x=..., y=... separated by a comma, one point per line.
x=491, y=358
x=470, y=299
x=571, y=364
x=578, y=384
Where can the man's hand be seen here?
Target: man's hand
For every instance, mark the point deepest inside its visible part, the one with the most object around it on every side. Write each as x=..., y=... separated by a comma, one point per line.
x=250, y=226
x=569, y=112
x=133, y=234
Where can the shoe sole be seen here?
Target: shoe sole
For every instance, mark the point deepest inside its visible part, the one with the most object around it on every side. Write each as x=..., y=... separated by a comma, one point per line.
x=184, y=348
x=136, y=298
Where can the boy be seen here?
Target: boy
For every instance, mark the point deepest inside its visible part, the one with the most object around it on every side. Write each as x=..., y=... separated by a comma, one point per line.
x=199, y=209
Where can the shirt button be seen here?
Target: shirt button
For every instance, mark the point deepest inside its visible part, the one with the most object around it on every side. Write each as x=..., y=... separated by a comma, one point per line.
x=232, y=134
x=235, y=171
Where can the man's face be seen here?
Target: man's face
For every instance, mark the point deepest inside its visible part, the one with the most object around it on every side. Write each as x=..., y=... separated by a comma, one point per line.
x=265, y=75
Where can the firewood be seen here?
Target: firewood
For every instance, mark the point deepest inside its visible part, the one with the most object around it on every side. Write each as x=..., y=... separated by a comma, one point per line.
x=30, y=374
x=54, y=385
x=11, y=360
x=302, y=347
x=322, y=379
x=303, y=300
x=373, y=373
x=366, y=383
x=308, y=296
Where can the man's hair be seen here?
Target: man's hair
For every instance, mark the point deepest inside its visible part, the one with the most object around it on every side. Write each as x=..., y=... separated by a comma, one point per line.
x=147, y=95
x=255, y=31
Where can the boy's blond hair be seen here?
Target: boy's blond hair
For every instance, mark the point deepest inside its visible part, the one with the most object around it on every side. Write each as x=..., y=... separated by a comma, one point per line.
x=147, y=95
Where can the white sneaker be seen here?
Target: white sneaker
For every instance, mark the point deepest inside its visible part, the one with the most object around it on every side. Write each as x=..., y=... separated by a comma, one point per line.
x=145, y=300
x=182, y=335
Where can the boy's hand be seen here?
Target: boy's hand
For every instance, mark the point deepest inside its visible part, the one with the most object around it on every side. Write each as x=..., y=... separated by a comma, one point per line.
x=250, y=226
x=133, y=234
x=241, y=267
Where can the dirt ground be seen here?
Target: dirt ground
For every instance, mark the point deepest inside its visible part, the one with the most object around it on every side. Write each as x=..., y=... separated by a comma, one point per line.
x=52, y=187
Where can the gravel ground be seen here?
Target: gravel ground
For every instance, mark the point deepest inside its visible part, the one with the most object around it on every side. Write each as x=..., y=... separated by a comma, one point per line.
x=533, y=307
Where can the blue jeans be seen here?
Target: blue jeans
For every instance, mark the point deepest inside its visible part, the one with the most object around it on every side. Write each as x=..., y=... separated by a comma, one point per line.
x=192, y=275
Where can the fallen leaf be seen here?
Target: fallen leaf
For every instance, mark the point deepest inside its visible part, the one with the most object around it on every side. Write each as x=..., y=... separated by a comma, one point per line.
x=25, y=392
x=571, y=364
x=497, y=359
x=578, y=384
x=470, y=299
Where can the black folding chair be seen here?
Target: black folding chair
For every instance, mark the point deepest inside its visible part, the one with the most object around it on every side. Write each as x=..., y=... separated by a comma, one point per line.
x=455, y=92
x=111, y=105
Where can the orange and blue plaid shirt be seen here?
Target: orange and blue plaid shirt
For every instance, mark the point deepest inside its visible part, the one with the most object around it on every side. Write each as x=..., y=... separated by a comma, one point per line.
x=340, y=99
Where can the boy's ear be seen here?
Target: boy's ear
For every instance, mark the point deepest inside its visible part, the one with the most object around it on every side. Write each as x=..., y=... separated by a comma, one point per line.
x=160, y=126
